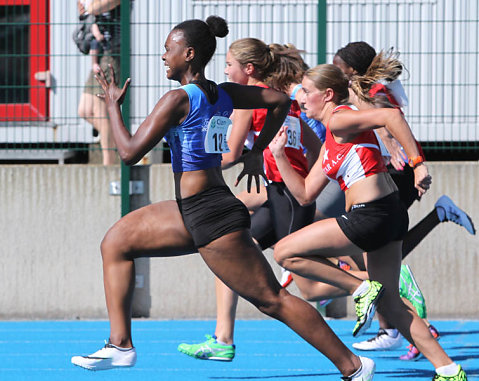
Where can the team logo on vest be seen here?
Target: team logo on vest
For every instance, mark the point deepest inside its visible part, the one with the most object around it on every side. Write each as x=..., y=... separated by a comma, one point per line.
x=204, y=125
x=332, y=162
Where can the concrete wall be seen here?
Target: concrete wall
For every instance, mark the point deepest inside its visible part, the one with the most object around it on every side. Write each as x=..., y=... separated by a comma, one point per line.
x=53, y=218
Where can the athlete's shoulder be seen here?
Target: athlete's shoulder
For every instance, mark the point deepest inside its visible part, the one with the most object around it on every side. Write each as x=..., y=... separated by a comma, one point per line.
x=343, y=108
x=175, y=103
x=176, y=94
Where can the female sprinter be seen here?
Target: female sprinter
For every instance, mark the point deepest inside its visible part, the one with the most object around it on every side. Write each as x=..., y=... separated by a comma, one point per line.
x=206, y=217
x=375, y=221
x=250, y=61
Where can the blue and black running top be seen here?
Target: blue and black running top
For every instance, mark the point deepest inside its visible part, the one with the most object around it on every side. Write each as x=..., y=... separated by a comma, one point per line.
x=187, y=141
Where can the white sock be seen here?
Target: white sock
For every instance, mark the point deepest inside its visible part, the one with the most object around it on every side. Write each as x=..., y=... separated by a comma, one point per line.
x=357, y=372
x=221, y=342
x=448, y=370
x=362, y=288
x=393, y=332
x=121, y=348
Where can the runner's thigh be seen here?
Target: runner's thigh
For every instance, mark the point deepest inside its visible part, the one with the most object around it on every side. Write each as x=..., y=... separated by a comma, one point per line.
x=155, y=230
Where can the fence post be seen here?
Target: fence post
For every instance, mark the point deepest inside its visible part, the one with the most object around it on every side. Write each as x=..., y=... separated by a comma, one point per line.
x=125, y=73
x=141, y=296
x=140, y=174
x=321, y=32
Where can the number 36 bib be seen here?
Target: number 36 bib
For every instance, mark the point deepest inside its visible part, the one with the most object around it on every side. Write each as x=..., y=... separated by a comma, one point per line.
x=217, y=135
x=293, y=132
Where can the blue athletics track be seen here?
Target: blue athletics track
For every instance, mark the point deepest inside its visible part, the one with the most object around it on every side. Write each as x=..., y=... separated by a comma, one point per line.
x=266, y=350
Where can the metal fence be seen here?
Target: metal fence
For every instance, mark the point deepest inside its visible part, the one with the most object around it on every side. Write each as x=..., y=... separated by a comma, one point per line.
x=439, y=45
x=42, y=73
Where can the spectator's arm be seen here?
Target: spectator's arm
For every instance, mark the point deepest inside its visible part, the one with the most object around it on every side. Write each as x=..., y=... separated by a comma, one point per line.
x=99, y=6
x=95, y=30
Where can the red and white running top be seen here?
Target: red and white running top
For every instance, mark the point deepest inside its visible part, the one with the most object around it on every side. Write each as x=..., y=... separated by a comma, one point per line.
x=294, y=147
x=350, y=162
x=381, y=89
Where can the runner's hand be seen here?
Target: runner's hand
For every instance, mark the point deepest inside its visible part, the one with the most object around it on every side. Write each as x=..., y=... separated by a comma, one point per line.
x=422, y=179
x=253, y=167
x=278, y=143
x=111, y=92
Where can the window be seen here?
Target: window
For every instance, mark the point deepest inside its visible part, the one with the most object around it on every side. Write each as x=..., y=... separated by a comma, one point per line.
x=24, y=47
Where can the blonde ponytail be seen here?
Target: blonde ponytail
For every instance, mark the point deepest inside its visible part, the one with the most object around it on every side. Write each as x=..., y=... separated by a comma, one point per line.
x=385, y=67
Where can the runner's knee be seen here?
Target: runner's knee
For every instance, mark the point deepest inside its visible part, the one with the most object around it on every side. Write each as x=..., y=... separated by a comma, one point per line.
x=282, y=254
x=271, y=305
x=115, y=244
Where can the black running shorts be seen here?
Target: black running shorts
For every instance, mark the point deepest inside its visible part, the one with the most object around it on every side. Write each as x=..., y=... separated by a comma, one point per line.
x=212, y=213
x=374, y=224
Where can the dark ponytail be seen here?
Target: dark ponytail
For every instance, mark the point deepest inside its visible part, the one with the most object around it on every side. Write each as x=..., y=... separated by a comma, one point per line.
x=218, y=26
x=358, y=55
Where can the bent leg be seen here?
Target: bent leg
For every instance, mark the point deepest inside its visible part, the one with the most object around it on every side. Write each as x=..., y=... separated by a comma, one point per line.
x=384, y=266
x=314, y=291
x=152, y=231
x=415, y=235
x=226, y=303
x=102, y=124
x=85, y=107
x=304, y=252
x=253, y=200
x=236, y=260
x=93, y=110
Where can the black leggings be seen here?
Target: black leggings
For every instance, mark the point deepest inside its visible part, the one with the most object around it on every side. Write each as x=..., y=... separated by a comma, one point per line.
x=279, y=216
x=404, y=180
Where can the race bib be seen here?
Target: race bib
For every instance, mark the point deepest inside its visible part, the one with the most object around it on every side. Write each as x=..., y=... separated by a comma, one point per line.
x=217, y=135
x=293, y=132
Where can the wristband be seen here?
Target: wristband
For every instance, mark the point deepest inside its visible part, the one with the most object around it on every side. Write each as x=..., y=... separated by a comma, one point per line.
x=415, y=161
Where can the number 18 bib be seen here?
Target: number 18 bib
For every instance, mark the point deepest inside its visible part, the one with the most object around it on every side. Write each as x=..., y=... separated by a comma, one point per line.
x=217, y=135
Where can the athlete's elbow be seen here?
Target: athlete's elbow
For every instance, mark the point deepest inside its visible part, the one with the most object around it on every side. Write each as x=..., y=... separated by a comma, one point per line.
x=300, y=194
x=128, y=157
x=395, y=115
x=129, y=162
x=304, y=200
x=308, y=197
